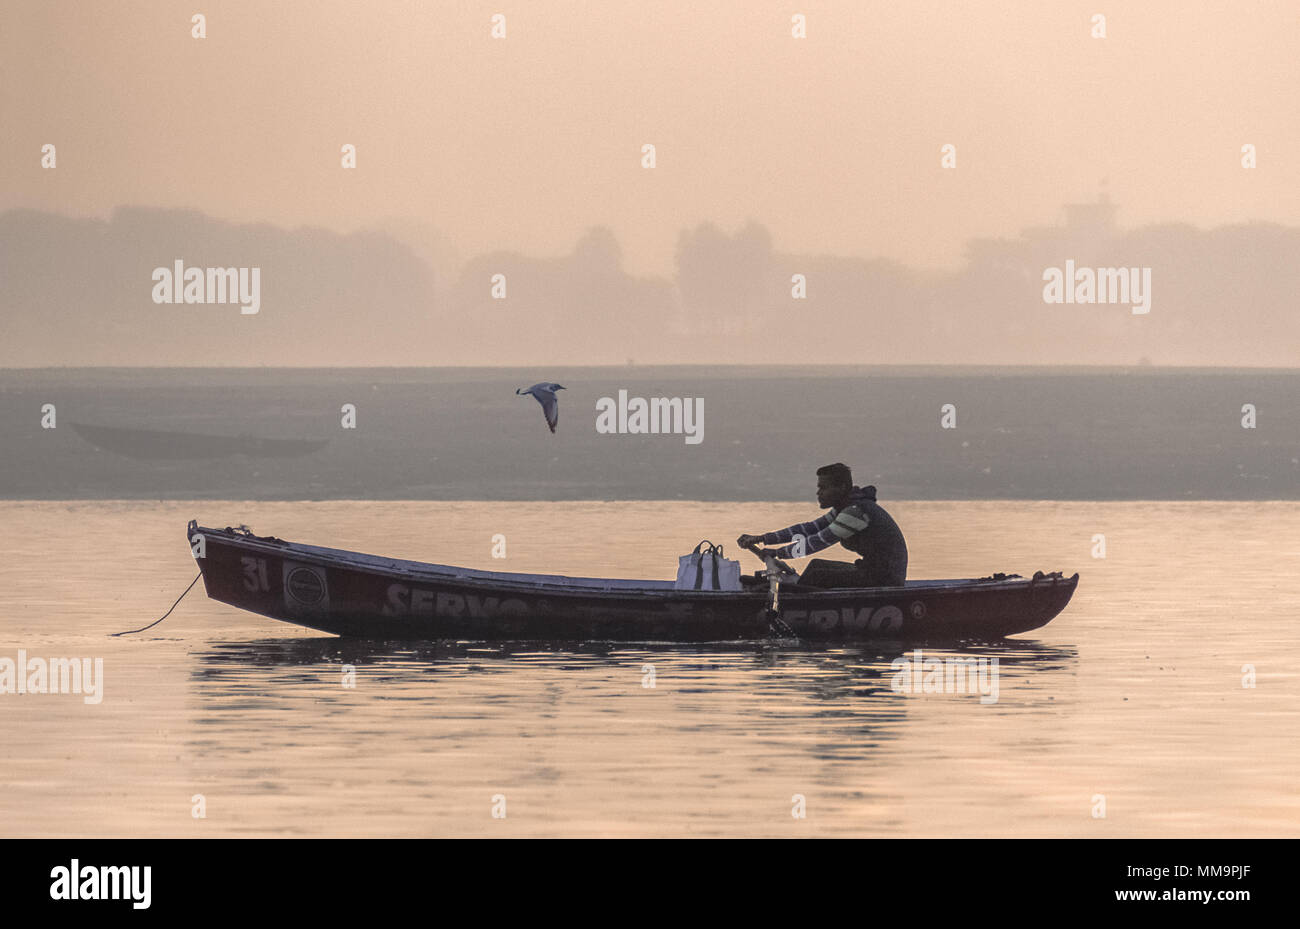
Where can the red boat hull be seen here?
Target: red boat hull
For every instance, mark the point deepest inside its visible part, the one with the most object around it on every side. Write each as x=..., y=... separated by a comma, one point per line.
x=351, y=594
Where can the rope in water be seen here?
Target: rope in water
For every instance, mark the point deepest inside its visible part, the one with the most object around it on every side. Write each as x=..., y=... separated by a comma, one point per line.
x=164, y=616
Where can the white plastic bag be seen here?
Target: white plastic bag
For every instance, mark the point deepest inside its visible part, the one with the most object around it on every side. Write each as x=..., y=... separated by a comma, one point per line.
x=706, y=569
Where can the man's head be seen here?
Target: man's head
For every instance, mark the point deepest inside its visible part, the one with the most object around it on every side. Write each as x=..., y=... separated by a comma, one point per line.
x=834, y=483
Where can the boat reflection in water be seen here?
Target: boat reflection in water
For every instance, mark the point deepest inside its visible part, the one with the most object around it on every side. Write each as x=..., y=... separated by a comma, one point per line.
x=483, y=703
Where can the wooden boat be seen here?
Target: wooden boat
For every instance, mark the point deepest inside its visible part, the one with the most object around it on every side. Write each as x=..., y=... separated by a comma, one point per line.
x=351, y=594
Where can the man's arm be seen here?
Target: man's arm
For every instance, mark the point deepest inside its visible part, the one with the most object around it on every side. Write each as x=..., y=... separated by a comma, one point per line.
x=825, y=532
x=807, y=530
x=804, y=529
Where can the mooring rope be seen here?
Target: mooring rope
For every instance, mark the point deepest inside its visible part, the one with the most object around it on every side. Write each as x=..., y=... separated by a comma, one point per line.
x=165, y=615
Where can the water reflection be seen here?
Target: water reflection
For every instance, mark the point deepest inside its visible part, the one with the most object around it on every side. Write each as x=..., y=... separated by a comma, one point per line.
x=793, y=682
x=854, y=665
x=727, y=722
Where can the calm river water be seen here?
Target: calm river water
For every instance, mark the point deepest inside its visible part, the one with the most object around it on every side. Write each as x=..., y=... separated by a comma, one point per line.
x=1133, y=698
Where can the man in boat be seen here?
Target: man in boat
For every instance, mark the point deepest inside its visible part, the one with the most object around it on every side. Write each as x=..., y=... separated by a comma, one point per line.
x=857, y=522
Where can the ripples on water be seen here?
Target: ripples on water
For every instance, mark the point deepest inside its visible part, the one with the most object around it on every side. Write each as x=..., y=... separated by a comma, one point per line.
x=1133, y=693
x=734, y=730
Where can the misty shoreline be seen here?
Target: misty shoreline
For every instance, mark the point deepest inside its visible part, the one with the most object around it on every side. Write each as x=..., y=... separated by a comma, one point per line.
x=462, y=434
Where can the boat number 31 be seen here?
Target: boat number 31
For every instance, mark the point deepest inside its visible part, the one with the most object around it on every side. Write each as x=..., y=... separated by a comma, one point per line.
x=255, y=574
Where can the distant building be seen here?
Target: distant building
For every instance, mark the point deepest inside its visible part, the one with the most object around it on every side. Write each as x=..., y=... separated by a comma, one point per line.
x=1096, y=218
x=1086, y=222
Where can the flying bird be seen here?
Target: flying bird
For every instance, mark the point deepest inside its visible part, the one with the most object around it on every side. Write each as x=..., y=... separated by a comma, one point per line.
x=545, y=395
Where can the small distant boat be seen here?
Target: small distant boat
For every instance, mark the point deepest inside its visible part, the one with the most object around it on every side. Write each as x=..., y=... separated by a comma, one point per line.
x=159, y=444
x=352, y=594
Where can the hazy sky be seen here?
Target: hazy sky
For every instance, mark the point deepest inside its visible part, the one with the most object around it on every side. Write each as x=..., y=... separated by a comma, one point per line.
x=832, y=141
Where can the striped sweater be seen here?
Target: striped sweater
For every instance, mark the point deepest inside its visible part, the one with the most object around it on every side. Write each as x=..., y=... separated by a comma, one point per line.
x=848, y=525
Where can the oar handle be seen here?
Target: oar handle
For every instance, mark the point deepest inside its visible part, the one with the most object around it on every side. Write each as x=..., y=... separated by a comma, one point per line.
x=770, y=560
x=775, y=567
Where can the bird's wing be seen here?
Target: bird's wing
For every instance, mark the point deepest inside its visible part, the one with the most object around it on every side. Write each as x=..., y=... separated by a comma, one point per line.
x=551, y=407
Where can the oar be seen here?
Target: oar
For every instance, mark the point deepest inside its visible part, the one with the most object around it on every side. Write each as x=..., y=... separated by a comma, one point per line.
x=775, y=568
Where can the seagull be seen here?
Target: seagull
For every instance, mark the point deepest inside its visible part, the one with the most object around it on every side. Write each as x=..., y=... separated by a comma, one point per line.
x=545, y=395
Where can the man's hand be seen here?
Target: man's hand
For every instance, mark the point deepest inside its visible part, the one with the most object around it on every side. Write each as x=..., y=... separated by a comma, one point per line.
x=748, y=541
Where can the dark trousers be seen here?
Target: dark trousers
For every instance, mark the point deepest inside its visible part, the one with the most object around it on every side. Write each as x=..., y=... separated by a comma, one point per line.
x=822, y=572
